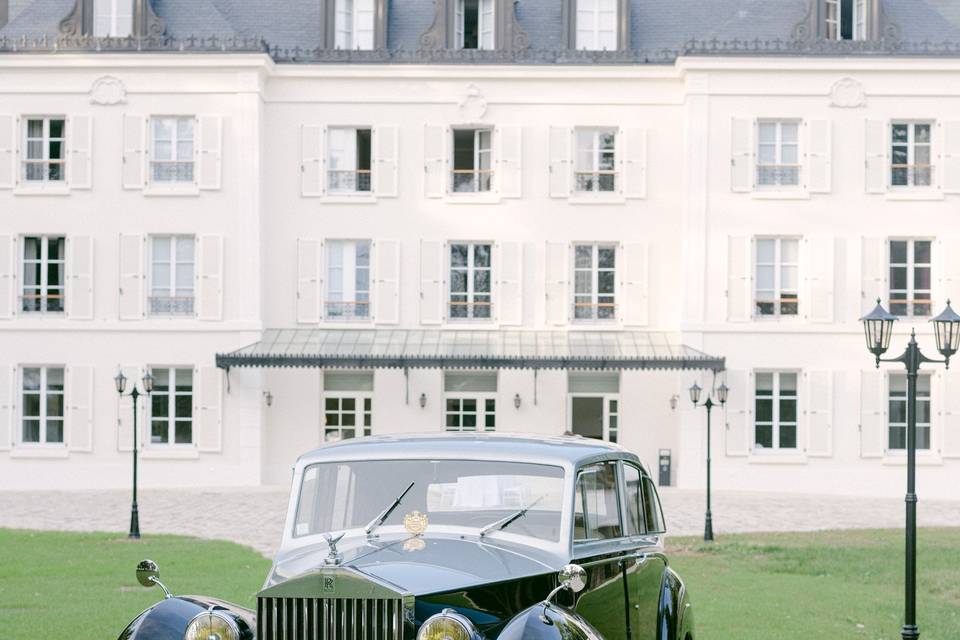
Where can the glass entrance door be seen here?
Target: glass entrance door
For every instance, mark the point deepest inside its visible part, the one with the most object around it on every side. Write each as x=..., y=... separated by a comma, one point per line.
x=595, y=416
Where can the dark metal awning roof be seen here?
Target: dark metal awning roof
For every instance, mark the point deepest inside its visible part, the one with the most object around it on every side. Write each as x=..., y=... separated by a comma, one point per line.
x=468, y=349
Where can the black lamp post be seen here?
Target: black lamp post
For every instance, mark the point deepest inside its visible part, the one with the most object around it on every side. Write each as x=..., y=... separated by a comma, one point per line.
x=121, y=381
x=878, y=327
x=722, y=392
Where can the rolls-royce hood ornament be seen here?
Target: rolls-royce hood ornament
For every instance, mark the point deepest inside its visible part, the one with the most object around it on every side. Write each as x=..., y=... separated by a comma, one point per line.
x=334, y=557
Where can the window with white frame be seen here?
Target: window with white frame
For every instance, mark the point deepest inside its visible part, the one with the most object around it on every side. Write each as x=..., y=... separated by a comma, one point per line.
x=594, y=404
x=595, y=168
x=45, y=144
x=777, y=281
x=470, y=401
x=43, y=274
x=348, y=160
x=472, y=160
x=594, y=281
x=846, y=19
x=172, y=265
x=171, y=406
x=171, y=156
x=776, y=411
x=911, y=162
x=347, y=405
x=897, y=437
x=43, y=405
x=910, y=277
x=112, y=18
x=473, y=24
x=354, y=24
x=597, y=25
x=348, y=280
x=778, y=153
x=470, y=281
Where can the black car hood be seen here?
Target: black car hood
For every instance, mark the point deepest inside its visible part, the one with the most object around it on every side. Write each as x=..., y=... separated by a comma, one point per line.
x=423, y=565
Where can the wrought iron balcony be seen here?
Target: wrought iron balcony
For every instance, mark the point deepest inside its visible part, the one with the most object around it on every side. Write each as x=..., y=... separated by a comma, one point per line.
x=39, y=303
x=171, y=305
x=911, y=175
x=604, y=181
x=594, y=310
x=346, y=310
x=470, y=310
x=348, y=181
x=778, y=175
x=471, y=180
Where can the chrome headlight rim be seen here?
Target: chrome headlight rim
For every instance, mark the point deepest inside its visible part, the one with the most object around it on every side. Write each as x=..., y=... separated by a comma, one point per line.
x=232, y=626
x=450, y=614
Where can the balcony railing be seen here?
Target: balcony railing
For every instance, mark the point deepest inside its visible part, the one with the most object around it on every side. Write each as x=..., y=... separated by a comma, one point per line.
x=37, y=303
x=171, y=305
x=349, y=181
x=594, y=310
x=471, y=180
x=347, y=310
x=43, y=170
x=470, y=310
x=916, y=306
x=596, y=181
x=778, y=175
x=785, y=305
x=911, y=175
x=171, y=170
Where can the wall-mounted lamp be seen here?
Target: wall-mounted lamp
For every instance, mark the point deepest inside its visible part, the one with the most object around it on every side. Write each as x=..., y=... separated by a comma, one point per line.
x=674, y=400
x=516, y=401
x=423, y=400
x=268, y=398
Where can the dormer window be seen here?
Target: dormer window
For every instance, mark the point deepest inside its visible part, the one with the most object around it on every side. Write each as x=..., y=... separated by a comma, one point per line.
x=474, y=24
x=846, y=19
x=354, y=24
x=112, y=19
x=597, y=25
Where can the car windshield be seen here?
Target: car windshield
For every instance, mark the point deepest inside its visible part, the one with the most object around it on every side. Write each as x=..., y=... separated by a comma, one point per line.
x=335, y=496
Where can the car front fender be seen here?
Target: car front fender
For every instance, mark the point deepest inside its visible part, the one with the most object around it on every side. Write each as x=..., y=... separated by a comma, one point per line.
x=548, y=622
x=675, y=615
x=168, y=619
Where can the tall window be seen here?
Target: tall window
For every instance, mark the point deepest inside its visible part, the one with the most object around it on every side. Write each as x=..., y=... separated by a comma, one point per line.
x=910, y=277
x=778, y=153
x=45, y=144
x=171, y=406
x=112, y=18
x=43, y=405
x=846, y=19
x=594, y=282
x=776, y=411
x=897, y=438
x=595, y=166
x=172, y=275
x=472, y=160
x=470, y=281
x=777, y=281
x=348, y=160
x=597, y=25
x=348, y=280
x=354, y=24
x=347, y=405
x=172, y=158
x=910, y=156
x=43, y=274
x=470, y=401
x=473, y=23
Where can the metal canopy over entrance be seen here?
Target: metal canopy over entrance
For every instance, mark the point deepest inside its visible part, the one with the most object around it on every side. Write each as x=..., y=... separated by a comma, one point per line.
x=469, y=349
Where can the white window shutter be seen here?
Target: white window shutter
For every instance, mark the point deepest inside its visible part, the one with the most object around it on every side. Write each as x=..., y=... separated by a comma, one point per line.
x=741, y=155
x=873, y=413
x=131, y=302
x=8, y=395
x=8, y=151
x=8, y=276
x=80, y=148
x=435, y=142
x=134, y=171
x=946, y=268
x=309, y=280
x=432, y=271
x=950, y=420
x=634, y=173
x=561, y=170
x=509, y=150
x=818, y=301
x=873, y=272
x=210, y=278
x=312, y=161
x=80, y=278
x=508, y=300
x=819, y=156
x=636, y=284
x=211, y=151
x=950, y=164
x=209, y=405
x=386, y=308
x=875, y=147
x=557, y=286
x=125, y=412
x=386, y=161
x=818, y=400
x=738, y=414
x=739, y=278
x=80, y=407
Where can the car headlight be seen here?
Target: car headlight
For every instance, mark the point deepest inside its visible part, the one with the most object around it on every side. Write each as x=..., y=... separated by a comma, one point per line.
x=448, y=625
x=212, y=625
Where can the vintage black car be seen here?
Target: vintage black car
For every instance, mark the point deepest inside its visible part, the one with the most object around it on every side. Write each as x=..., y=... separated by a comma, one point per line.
x=458, y=537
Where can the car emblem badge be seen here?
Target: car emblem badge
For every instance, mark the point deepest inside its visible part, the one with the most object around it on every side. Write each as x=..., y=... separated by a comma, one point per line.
x=415, y=523
x=329, y=584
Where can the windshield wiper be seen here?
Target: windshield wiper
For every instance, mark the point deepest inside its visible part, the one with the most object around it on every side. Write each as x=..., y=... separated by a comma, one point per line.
x=380, y=519
x=503, y=523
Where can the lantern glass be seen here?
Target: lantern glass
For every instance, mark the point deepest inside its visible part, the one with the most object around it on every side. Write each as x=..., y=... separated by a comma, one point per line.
x=722, y=391
x=121, y=381
x=946, y=328
x=878, y=329
x=148, y=382
x=695, y=393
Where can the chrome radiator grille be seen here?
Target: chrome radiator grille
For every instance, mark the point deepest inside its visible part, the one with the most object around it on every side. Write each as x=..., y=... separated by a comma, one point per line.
x=329, y=619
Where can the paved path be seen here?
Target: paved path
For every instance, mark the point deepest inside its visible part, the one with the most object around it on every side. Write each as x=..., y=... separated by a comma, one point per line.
x=254, y=517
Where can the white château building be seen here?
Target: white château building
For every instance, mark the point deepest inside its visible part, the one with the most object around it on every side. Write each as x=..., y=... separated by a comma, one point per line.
x=318, y=219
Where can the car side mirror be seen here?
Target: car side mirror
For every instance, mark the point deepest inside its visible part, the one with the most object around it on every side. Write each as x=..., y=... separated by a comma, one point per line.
x=148, y=574
x=573, y=577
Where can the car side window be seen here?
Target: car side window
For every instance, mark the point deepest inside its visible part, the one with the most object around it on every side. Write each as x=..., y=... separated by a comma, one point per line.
x=597, y=511
x=651, y=508
x=631, y=479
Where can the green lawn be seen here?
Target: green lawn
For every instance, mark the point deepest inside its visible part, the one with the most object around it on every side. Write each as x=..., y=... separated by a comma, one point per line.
x=765, y=586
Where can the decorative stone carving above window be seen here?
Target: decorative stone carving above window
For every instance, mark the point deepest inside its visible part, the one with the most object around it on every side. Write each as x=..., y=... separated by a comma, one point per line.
x=569, y=21
x=876, y=26
x=328, y=24
x=508, y=35
x=146, y=23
